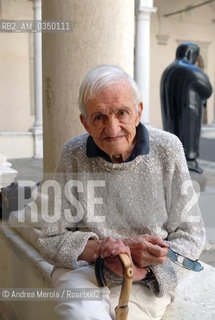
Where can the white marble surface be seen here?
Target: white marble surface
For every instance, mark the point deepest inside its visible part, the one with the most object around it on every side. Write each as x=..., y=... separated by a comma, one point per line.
x=7, y=176
x=195, y=299
x=3, y=161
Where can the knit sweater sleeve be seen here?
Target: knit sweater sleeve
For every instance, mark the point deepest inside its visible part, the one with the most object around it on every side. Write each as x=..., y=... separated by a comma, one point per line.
x=60, y=242
x=186, y=233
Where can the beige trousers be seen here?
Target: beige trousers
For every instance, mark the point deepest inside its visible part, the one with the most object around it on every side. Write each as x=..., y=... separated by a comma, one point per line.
x=99, y=304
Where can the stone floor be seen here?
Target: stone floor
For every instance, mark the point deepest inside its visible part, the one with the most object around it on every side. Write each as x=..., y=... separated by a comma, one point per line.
x=28, y=169
x=208, y=254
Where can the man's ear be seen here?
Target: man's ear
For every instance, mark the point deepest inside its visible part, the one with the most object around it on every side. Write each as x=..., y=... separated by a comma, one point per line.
x=140, y=111
x=84, y=122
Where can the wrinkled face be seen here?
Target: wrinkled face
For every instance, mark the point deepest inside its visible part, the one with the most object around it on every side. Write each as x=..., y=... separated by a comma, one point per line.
x=112, y=119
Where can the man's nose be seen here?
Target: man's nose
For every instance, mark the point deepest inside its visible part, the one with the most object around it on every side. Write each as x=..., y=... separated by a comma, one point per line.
x=112, y=127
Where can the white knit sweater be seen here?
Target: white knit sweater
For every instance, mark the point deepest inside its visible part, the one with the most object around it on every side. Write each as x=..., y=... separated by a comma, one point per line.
x=151, y=194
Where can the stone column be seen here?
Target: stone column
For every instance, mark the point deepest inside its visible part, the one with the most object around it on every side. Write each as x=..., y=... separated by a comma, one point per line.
x=144, y=9
x=102, y=33
x=37, y=126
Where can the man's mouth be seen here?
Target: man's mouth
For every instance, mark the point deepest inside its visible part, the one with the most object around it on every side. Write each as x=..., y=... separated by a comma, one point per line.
x=112, y=139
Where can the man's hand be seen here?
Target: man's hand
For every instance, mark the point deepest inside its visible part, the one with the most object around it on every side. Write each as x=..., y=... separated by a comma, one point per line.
x=147, y=250
x=143, y=250
x=91, y=251
x=110, y=248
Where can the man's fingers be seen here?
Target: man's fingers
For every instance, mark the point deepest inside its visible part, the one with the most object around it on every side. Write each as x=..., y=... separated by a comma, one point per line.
x=156, y=240
x=148, y=260
x=119, y=250
x=153, y=261
x=142, y=246
x=110, y=252
x=157, y=250
x=112, y=247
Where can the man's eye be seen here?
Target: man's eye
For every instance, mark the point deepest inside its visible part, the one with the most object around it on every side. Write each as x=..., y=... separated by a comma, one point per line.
x=123, y=113
x=98, y=117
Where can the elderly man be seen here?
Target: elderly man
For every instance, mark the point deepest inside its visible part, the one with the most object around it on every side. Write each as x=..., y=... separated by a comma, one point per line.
x=126, y=189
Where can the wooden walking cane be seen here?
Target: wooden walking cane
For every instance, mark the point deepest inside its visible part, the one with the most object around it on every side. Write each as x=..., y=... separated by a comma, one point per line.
x=121, y=310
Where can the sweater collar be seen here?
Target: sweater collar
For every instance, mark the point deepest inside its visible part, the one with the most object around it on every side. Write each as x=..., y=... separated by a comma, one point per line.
x=141, y=147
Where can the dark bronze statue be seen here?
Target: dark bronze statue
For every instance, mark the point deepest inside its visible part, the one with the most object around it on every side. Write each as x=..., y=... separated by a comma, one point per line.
x=184, y=89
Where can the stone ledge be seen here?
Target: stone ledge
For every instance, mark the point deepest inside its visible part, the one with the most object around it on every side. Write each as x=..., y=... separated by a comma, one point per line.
x=27, y=252
x=23, y=267
x=27, y=229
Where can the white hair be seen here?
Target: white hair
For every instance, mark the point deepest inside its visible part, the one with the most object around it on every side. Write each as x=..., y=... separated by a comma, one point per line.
x=101, y=77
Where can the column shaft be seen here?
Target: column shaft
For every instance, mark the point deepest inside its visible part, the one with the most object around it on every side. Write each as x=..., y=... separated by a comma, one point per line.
x=38, y=67
x=142, y=54
x=37, y=126
x=102, y=33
